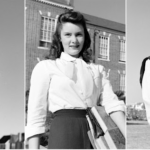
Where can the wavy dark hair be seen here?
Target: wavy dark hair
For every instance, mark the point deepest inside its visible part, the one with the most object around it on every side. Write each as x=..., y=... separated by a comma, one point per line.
x=56, y=46
x=142, y=70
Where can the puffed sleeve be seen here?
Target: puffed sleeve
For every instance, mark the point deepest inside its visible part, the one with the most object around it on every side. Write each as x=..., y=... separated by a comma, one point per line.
x=146, y=89
x=108, y=98
x=38, y=100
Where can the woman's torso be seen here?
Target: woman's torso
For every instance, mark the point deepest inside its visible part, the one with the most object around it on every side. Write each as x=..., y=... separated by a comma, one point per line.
x=72, y=84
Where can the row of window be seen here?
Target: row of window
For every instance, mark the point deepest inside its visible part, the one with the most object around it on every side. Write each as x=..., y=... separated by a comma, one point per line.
x=48, y=27
x=47, y=30
x=104, y=48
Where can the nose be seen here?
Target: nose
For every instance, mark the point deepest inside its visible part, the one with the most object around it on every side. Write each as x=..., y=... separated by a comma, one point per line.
x=74, y=39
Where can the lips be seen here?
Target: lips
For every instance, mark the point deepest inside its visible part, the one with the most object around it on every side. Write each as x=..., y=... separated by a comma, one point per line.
x=74, y=46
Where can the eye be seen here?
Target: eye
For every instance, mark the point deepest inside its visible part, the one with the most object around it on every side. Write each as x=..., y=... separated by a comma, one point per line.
x=68, y=34
x=79, y=34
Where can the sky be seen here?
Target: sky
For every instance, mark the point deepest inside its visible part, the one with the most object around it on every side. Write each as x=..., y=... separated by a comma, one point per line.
x=138, y=45
x=113, y=10
x=12, y=54
x=11, y=67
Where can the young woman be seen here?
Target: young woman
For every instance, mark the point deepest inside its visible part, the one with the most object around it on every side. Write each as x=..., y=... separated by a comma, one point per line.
x=66, y=84
x=145, y=84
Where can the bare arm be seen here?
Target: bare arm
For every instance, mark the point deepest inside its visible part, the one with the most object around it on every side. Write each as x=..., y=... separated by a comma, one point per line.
x=34, y=142
x=119, y=118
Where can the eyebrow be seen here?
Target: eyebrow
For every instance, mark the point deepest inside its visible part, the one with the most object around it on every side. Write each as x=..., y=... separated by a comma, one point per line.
x=75, y=32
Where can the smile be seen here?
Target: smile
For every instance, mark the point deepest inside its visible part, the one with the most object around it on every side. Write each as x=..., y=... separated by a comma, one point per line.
x=74, y=46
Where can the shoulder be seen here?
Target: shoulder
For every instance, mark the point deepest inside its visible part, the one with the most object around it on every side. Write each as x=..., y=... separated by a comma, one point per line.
x=97, y=67
x=147, y=67
x=42, y=71
x=148, y=61
x=148, y=58
x=44, y=66
x=145, y=60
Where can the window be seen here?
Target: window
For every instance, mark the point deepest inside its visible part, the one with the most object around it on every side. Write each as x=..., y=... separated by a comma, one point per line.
x=47, y=30
x=122, y=82
x=122, y=50
x=104, y=47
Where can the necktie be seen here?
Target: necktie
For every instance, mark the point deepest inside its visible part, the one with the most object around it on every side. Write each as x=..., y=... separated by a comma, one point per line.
x=66, y=67
x=77, y=71
x=84, y=78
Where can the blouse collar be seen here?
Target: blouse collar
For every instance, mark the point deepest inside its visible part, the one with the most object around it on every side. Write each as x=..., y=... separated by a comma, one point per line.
x=67, y=57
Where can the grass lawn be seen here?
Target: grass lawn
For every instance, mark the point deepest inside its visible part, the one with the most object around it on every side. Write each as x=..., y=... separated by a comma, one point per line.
x=138, y=135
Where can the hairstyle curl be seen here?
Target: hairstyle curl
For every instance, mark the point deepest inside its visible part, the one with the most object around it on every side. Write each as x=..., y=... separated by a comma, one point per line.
x=56, y=46
x=142, y=70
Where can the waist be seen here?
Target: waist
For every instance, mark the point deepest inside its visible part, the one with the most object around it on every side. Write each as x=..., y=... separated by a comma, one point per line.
x=71, y=113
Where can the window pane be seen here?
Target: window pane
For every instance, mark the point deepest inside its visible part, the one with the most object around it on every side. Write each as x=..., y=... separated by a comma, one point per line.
x=122, y=50
x=103, y=47
x=122, y=82
x=47, y=29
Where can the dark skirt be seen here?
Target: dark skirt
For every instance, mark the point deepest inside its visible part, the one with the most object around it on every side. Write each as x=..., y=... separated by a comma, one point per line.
x=69, y=130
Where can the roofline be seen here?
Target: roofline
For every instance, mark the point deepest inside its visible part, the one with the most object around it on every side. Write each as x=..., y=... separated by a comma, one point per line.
x=117, y=30
x=105, y=23
x=55, y=4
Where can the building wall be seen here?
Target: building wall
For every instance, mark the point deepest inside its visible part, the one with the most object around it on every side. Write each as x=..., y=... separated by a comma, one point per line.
x=34, y=11
x=114, y=53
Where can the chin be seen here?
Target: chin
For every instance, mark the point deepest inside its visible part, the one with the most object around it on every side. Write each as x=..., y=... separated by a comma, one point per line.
x=75, y=54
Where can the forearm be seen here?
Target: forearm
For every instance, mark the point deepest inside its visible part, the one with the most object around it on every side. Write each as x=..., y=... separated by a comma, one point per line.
x=34, y=142
x=119, y=119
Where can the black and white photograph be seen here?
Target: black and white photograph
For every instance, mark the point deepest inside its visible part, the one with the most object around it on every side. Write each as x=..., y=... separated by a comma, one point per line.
x=11, y=74
x=74, y=74
x=138, y=74
x=75, y=70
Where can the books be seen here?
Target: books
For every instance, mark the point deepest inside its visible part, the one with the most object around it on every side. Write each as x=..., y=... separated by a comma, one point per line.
x=112, y=137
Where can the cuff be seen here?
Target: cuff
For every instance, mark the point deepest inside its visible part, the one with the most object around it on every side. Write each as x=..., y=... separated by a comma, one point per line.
x=31, y=131
x=119, y=107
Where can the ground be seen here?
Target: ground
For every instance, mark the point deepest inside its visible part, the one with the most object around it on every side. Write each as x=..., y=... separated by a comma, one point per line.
x=138, y=135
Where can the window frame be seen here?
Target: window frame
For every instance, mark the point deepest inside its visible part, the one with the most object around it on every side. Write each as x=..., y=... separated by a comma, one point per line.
x=48, y=26
x=104, y=36
x=122, y=82
x=122, y=51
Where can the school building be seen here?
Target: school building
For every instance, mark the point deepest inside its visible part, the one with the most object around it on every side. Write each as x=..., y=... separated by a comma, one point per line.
x=107, y=38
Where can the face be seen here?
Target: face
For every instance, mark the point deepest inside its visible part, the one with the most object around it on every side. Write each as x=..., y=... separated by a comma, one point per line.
x=72, y=38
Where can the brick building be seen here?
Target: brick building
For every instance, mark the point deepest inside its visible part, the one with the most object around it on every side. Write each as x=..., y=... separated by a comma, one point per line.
x=108, y=38
x=108, y=45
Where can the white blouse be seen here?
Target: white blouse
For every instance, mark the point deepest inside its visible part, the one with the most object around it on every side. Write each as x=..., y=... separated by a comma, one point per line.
x=67, y=83
x=146, y=89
